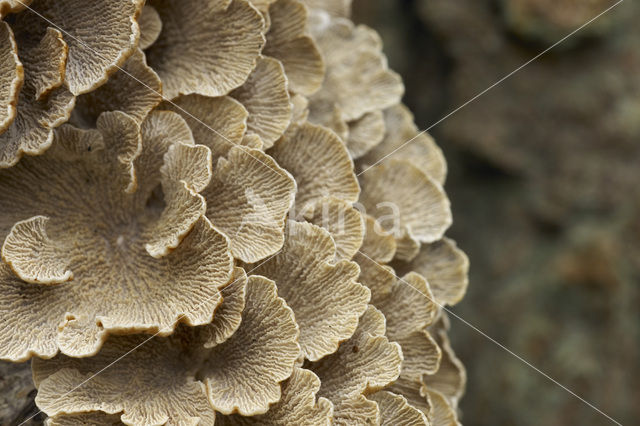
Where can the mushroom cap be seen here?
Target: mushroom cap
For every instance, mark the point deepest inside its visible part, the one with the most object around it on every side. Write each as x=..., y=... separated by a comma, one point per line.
x=150, y=26
x=403, y=140
x=365, y=363
x=175, y=379
x=325, y=297
x=233, y=30
x=395, y=410
x=288, y=41
x=267, y=101
x=319, y=162
x=43, y=103
x=11, y=76
x=218, y=123
x=107, y=258
x=343, y=221
x=445, y=266
x=297, y=405
x=418, y=204
x=248, y=200
x=357, y=78
x=135, y=89
x=110, y=30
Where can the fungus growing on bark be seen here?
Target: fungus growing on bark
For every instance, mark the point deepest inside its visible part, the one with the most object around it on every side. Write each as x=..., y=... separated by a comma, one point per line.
x=218, y=138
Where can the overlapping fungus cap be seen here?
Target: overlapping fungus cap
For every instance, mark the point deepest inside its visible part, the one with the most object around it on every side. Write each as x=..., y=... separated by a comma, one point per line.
x=233, y=365
x=358, y=84
x=219, y=138
x=44, y=66
x=102, y=236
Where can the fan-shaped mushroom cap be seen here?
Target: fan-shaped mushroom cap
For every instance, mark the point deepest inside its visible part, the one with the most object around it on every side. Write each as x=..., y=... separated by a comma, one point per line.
x=395, y=410
x=265, y=97
x=409, y=306
x=248, y=199
x=325, y=297
x=147, y=386
x=442, y=413
x=98, y=232
x=342, y=221
x=365, y=133
x=357, y=79
x=445, y=266
x=109, y=32
x=243, y=374
x=11, y=75
x=377, y=245
x=288, y=42
x=416, y=202
x=150, y=26
x=135, y=90
x=232, y=30
x=174, y=379
x=228, y=316
x=356, y=410
x=43, y=103
x=218, y=123
x=363, y=364
x=411, y=145
x=451, y=378
x=298, y=405
x=319, y=162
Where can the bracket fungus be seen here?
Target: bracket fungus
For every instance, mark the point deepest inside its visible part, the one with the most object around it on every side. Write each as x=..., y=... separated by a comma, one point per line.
x=187, y=240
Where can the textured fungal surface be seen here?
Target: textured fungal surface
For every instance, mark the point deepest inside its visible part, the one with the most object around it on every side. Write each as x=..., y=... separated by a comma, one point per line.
x=199, y=223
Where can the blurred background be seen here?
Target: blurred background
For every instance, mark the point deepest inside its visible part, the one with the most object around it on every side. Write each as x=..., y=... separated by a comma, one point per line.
x=544, y=181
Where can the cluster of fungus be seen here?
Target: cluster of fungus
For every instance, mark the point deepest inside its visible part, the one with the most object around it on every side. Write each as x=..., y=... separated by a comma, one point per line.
x=192, y=211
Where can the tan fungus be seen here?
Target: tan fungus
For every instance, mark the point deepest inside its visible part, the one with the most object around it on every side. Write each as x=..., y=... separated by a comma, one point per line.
x=174, y=380
x=109, y=32
x=333, y=7
x=288, y=42
x=205, y=47
x=248, y=200
x=365, y=363
x=150, y=26
x=421, y=203
x=342, y=221
x=43, y=103
x=365, y=133
x=297, y=406
x=12, y=6
x=356, y=410
x=243, y=374
x=325, y=297
x=98, y=231
x=357, y=79
x=266, y=99
x=319, y=162
x=395, y=410
x=11, y=76
x=403, y=140
x=445, y=266
x=218, y=123
x=135, y=90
